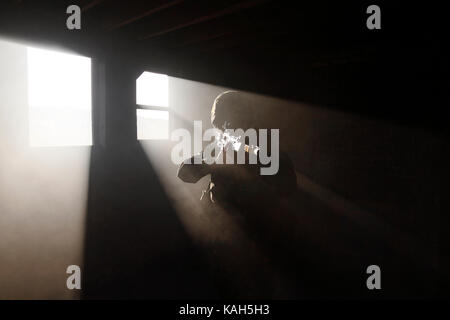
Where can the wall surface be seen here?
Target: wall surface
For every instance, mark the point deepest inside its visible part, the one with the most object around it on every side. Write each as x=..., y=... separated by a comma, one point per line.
x=43, y=196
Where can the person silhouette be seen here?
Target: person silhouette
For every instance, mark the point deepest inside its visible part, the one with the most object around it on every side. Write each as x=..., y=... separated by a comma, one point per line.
x=238, y=184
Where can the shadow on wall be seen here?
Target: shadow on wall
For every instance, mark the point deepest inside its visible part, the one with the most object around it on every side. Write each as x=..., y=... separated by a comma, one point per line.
x=135, y=245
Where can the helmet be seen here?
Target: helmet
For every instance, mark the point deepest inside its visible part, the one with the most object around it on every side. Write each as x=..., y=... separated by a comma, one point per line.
x=233, y=109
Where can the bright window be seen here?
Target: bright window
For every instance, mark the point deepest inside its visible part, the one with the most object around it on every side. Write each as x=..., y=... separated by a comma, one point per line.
x=152, y=89
x=152, y=93
x=59, y=98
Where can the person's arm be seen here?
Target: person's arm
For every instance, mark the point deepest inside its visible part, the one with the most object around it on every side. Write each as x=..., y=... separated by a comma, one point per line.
x=190, y=172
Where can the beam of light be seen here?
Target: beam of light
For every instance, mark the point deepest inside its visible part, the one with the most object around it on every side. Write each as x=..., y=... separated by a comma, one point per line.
x=152, y=124
x=59, y=98
x=43, y=191
x=189, y=101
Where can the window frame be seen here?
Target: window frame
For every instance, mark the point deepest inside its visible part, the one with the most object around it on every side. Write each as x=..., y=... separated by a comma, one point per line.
x=154, y=107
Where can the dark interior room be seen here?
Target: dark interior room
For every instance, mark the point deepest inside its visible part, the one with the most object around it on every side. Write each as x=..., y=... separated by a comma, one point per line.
x=92, y=100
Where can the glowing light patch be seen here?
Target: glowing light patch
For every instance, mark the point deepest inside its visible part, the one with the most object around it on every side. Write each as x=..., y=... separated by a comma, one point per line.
x=152, y=89
x=59, y=98
x=152, y=124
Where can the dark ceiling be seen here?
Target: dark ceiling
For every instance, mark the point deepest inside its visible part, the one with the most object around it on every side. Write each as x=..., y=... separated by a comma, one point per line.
x=198, y=27
x=315, y=51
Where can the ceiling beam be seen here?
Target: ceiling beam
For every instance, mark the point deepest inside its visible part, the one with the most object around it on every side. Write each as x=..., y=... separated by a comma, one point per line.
x=91, y=5
x=204, y=39
x=145, y=14
x=232, y=9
